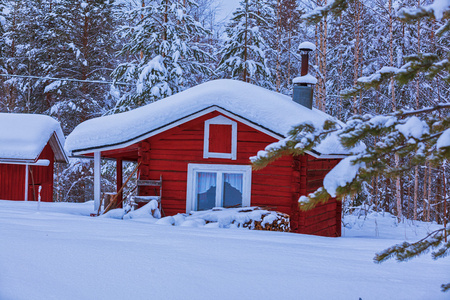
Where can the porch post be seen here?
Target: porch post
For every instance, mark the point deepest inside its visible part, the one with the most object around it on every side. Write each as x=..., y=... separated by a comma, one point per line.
x=97, y=177
x=26, y=182
x=119, y=179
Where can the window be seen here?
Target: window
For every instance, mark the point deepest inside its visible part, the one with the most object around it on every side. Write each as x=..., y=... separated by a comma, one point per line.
x=211, y=186
x=220, y=139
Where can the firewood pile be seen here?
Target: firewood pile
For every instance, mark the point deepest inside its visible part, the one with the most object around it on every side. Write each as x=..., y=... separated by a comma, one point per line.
x=270, y=221
x=252, y=218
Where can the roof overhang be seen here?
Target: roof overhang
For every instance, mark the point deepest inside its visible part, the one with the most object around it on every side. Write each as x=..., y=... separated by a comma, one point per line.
x=178, y=122
x=39, y=162
x=325, y=156
x=213, y=108
x=57, y=148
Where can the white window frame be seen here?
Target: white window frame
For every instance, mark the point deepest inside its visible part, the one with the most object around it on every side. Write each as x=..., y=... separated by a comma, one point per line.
x=220, y=120
x=194, y=169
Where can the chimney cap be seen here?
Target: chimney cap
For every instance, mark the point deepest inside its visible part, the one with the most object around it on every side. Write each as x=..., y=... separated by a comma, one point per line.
x=307, y=46
x=307, y=79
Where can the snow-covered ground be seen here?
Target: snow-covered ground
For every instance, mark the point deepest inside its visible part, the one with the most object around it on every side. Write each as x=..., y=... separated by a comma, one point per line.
x=60, y=252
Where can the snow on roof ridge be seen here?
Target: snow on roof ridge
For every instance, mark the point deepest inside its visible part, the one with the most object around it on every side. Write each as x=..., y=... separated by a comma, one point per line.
x=24, y=136
x=265, y=108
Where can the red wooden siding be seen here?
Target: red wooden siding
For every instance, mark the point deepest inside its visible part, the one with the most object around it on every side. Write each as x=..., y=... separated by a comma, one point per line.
x=169, y=153
x=324, y=219
x=220, y=138
x=42, y=176
x=12, y=179
x=12, y=182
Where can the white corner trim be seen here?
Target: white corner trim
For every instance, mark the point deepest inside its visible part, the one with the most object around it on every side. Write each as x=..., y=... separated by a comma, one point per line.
x=191, y=189
x=97, y=180
x=220, y=120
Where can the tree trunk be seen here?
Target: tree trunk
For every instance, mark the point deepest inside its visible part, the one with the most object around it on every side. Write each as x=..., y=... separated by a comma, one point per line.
x=425, y=202
x=416, y=190
x=429, y=193
x=278, y=71
x=341, y=67
x=245, y=41
x=398, y=195
x=391, y=55
x=356, y=60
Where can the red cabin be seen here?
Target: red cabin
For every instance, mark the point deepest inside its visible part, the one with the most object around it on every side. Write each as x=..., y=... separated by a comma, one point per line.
x=199, y=142
x=29, y=146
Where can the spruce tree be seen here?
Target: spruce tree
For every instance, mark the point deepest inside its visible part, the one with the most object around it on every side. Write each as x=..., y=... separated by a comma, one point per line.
x=85, y=50
x=243, y=55
x=163, y=47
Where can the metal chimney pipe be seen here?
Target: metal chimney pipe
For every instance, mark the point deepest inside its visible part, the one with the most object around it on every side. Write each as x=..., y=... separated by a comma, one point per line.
x=305, y=63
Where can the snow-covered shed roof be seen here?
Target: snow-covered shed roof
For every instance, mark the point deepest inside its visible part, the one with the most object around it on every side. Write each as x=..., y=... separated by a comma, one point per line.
x=24, y=136
x=270, y=112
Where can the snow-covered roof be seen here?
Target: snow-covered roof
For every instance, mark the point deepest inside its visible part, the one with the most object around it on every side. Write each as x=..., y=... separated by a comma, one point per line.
x=271, y=112
x=24, y=136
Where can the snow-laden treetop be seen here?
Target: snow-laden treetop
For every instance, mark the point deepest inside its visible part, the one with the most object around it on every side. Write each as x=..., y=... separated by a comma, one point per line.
x=24, y=136
x=264, y=108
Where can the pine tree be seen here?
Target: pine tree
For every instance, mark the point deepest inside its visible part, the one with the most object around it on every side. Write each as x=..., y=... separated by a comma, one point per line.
x=243, y=55
x=164, y=50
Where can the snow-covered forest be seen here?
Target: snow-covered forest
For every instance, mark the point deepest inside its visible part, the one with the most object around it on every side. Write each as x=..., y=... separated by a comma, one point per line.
x=112, y=56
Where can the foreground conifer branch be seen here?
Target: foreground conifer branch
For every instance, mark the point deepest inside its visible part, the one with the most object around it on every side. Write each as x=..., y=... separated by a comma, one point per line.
x=411, y=138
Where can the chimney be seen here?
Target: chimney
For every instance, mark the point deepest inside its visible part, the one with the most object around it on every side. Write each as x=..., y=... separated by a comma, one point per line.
x=303, y=85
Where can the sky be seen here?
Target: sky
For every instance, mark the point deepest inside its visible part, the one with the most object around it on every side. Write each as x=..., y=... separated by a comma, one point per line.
x=228, y=6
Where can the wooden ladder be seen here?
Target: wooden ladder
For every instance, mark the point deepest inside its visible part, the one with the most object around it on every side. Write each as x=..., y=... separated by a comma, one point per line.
x=145, y=199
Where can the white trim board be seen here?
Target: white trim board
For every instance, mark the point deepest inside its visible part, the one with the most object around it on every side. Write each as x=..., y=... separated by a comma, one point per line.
x=39, y=162
x=220, y=120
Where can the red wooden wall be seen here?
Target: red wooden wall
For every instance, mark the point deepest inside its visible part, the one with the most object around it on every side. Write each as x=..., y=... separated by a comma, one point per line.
x=12, y=179
x=277, y=186
x=324, y=219
x=169, y=153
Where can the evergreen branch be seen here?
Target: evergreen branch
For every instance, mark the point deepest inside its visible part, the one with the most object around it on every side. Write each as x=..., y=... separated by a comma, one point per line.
x=302, y=138
x=406, y=251
x=335, y=8
x=438, y=106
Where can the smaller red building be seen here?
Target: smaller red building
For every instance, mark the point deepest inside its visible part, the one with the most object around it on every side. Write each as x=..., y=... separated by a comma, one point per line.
x=29, y=146
x=199, y=142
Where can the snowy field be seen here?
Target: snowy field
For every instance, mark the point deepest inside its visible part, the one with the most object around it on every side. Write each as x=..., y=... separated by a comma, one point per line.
x=60, y=252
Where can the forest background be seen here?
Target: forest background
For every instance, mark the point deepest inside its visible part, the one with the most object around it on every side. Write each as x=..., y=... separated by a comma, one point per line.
x=114, y=56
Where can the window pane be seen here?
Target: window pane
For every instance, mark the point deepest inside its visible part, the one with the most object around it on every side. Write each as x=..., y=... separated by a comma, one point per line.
x=232, y=190
x=206, y=190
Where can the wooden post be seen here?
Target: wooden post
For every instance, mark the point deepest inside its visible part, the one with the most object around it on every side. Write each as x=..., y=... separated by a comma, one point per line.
x=26, y=182
x=97, y=177
x=119, y=179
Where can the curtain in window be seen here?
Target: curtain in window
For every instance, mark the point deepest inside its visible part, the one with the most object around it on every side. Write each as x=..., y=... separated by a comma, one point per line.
x=206, y=190
x=232, y=190
x=205, y=181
